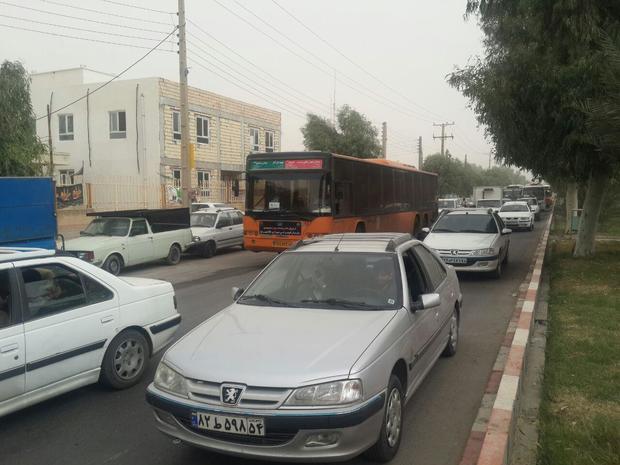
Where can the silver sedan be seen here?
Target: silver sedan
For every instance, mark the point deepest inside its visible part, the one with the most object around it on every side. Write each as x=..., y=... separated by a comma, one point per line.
x=316, y=359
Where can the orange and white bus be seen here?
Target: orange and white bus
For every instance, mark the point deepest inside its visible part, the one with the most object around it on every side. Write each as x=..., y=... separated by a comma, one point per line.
x=297, y=195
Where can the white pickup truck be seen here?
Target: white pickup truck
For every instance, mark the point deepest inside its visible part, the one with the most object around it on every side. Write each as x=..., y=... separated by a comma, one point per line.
x=114, y=240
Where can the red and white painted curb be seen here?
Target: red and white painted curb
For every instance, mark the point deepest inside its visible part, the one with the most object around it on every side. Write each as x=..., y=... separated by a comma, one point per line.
x=489, y=438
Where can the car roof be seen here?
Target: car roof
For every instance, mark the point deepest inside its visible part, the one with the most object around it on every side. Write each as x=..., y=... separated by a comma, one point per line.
x=515, y=202
x=354, y=242
x=11, y=254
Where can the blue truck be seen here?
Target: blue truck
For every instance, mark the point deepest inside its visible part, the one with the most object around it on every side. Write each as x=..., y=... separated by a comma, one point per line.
x=28, y=212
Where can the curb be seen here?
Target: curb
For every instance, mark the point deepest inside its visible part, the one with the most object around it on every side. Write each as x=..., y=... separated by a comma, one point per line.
x=490, y=437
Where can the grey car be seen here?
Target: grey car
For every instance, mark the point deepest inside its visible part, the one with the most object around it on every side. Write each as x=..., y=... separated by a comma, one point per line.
x=316, y=359
x=214, y=229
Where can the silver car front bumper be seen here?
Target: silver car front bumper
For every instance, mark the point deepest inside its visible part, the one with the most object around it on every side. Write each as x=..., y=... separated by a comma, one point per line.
x=287, y=432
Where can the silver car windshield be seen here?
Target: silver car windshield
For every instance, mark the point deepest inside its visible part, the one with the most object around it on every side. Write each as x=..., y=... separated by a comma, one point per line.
x=466, y=223
x=329, y=280
x=205, y=220
x=107, y=227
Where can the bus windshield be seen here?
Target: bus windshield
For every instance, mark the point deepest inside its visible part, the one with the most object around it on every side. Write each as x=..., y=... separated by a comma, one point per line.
x=288, y=193
x=534, y=191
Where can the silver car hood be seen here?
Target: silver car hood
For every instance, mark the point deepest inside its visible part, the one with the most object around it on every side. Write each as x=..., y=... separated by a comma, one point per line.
x=276, y=346
x=461, y=241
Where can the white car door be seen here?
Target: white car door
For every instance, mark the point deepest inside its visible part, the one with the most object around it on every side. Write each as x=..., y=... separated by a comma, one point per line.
x=224, y=227
x=69, y=318
x=503, y=240
x=139, y=243
x=237, y=228
x=12, y=344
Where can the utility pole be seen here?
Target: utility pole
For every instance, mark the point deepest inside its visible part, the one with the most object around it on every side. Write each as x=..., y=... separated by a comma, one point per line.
x=465, y=159
x=384, y=140
x=49, y=140
x=334, y=102
x=489, y=160
x=443, y=136
x=420, y=154
x=186, y=181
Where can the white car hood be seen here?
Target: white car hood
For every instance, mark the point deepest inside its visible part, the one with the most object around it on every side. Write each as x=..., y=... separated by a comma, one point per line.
x=93, y=243
x=461, y=241
x=276, y=346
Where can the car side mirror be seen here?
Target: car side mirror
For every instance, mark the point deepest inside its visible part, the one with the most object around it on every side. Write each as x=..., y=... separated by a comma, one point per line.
x=426, y=301
x=236, y=293
x=506, y=231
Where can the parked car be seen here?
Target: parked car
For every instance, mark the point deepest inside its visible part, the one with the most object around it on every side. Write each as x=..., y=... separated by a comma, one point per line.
x=317, y=358
x=208, y=205
x=65, y=323
x=495, y=204
x=472, y=240
x=215, y=229
x=517, y=215
x=447, y=203
x=534, y=206
x=114, y=240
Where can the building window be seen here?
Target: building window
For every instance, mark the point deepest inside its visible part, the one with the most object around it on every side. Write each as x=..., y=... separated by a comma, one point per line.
x=176, y=125
x=176, y=178
x=269, y=147
x=254, y=139
x=66, y=177
x=118, y=125
x=203, y=183
x=202, y=130
x=65, y=127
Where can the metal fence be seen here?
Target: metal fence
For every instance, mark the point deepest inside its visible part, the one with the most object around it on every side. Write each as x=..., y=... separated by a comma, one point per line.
x=122, y=193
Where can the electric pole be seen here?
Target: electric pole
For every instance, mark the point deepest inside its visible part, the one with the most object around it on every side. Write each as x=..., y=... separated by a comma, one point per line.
x=49, y=139
x=443, y=136
x=489, y=160
x=465, y=159
x=186, y=180
x=420, y=154
x=384, y=140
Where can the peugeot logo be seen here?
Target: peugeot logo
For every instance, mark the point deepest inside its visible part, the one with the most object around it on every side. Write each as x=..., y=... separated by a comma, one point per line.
x=454, y=252
x=231, y=394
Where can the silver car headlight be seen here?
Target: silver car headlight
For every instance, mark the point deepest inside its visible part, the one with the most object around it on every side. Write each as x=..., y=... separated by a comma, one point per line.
x=326, y=394
x=196, y=239
x=169, y=380
x=483, y=252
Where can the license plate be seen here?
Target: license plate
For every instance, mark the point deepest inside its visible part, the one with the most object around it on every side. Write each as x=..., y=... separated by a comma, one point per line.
x=281, y=244
x=227, y=424
x=460, y=260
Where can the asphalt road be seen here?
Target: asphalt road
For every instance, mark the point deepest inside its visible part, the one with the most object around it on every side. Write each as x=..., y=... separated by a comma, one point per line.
x=94, y=425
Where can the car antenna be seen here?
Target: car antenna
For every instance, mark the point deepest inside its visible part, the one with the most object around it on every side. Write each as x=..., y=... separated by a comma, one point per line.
x=341, y=238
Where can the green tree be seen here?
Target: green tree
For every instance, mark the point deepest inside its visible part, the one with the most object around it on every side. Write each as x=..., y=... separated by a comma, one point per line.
x=20, y=148
x=543, y=61
x=355, y=135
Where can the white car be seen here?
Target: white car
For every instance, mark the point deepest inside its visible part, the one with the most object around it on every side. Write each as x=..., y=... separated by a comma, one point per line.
x=208, y=206
x=517, y=215
x=447, y=203
x=471, y=240
x=533, y=204
x=495, y=204
x=215, y=229
x=65, y=323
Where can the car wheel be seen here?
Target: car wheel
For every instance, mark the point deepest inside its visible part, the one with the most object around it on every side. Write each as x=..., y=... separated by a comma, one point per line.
x=208, y=250
x=497, y=272
x=125, y=360
x=113, y=264
x=174, y=255
x=532, y=226
x=505, y=260
x=386, y=447
x=453, y=339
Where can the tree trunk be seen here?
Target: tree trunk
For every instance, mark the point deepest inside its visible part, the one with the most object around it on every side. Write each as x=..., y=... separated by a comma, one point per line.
x=586, y=236
x=571, y=203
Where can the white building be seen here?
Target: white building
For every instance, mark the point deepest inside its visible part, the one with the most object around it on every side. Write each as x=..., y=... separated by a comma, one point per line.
x=124, y=139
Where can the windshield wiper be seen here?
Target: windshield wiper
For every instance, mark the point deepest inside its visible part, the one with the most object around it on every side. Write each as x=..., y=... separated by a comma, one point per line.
x=343, y=303
x=475, y=231
x=443, y=230
x=267, y=299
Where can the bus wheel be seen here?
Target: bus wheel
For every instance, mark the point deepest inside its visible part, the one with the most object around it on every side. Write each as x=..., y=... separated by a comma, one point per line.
x=360, y=228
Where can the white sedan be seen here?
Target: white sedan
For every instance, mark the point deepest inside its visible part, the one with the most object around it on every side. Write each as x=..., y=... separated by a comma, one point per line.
x=471, y=240
x=65, y=323
x=517, y=215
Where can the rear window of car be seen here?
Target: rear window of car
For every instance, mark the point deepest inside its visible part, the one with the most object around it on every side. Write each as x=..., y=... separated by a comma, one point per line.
x=514, y=208
x=466, y=223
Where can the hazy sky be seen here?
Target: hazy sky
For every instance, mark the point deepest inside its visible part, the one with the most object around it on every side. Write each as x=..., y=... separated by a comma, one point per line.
x=409, y=45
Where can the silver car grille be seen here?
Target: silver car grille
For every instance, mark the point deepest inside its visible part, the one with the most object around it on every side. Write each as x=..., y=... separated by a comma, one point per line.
x=252, y=397
x=459, y=253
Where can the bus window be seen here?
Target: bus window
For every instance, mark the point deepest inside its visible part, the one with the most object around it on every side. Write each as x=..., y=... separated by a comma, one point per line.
x=291, y=193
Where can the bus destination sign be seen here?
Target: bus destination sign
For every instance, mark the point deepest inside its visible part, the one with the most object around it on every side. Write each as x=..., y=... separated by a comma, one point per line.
x=300, y=164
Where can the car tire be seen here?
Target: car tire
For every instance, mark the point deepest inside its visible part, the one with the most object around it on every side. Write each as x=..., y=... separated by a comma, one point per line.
x=532, y=226
x=497, y=272
x=113, y=264
x=505, y=260
x=174, y=255
x=453, y=340
x=125, y=360
x=387, y=446
x=208, y=250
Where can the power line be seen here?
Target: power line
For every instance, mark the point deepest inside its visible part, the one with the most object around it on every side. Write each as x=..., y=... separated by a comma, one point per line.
x=82, y=19
x=210, y=70
x=140, y=7
x=252, y=73
x=430, y=112
x=53, y=2
x=80, y=28
x=57, y=34
x=310, y=98
x=113, y=78
x=318, y=58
